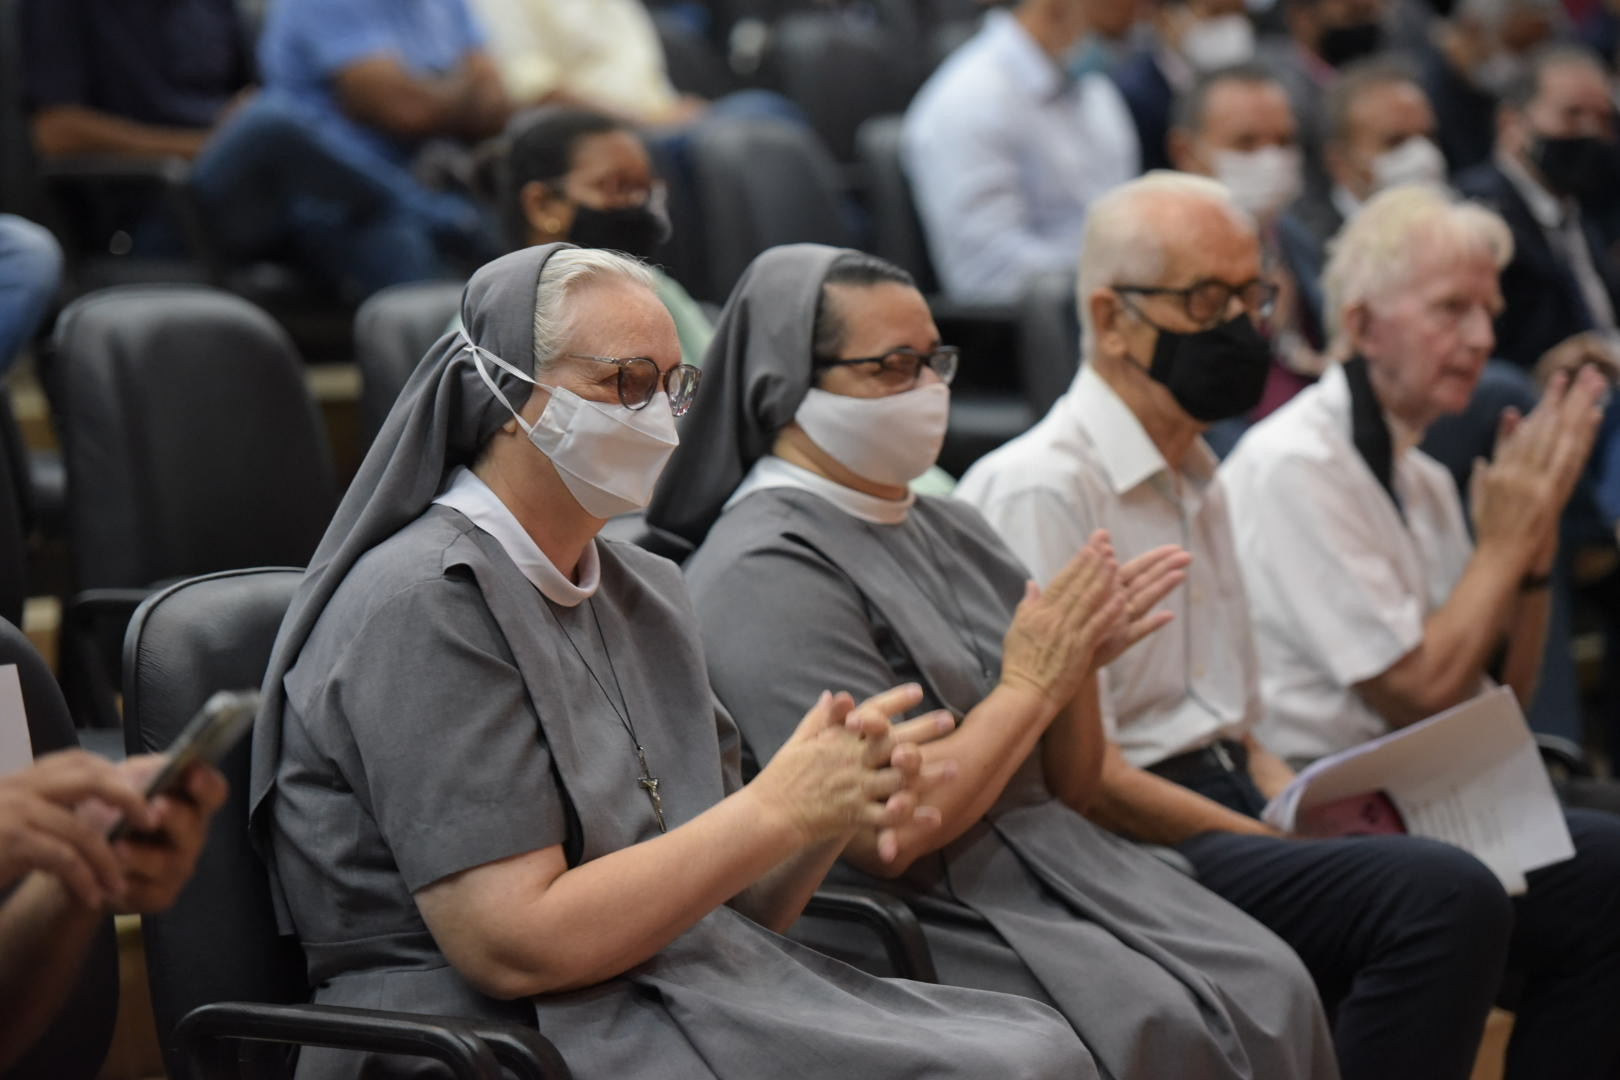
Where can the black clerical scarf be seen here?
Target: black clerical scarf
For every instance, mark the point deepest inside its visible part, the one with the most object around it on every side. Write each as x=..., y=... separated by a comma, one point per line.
x=1370, y=431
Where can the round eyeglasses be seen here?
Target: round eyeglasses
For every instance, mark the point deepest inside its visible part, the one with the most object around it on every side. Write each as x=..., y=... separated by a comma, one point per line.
x=640, y=377
x=1206, y=302
x=903, y=367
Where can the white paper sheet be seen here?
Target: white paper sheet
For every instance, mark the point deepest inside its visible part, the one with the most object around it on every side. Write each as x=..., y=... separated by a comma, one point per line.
x=1470, y=776
x=16, y=748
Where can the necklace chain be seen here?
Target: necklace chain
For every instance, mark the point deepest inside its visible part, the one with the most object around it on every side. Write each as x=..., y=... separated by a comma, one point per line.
x=647, y=781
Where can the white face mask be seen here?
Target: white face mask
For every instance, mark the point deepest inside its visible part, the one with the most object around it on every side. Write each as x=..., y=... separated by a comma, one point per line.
x=609, y=456
x=889, y=440
x=1415, y=161
x=1212, y=44
x=1262, y=181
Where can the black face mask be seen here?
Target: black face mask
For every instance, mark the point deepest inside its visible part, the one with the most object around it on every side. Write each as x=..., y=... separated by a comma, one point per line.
x=1584, y=166
x=634, y=230
x=1341, y=44
x=1214, y=374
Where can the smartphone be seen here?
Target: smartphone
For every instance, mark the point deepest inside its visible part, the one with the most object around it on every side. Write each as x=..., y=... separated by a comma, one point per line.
x=207, y=737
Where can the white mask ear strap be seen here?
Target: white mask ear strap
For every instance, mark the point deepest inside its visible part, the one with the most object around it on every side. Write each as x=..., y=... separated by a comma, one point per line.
x=479, y=354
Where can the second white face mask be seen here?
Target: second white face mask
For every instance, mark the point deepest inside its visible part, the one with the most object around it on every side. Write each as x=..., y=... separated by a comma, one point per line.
x=890, y=440
x=1262, y=181
x=1212, y=44
x=1415, y=161
x=609, y=456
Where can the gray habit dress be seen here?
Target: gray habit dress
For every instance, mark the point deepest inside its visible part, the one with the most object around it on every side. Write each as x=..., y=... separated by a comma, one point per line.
x=1160, y=977
x=432, y=712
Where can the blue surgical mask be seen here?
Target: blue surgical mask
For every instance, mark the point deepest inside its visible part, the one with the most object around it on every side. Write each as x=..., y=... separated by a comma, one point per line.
x=1091, y=55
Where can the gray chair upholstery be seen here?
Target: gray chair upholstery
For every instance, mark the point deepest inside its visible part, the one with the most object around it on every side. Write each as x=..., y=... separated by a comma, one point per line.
x=191, y=444
x=393, y=330
x=1048, y=339
x=841, y=70
x=897, y=232
x=73, y=1047
x=761, y=183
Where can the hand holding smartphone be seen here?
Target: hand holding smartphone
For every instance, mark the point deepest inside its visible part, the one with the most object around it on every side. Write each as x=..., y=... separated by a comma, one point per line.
x=208, y=736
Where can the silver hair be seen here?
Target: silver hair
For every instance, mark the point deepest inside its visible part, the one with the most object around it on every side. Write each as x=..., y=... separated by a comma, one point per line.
x=1373, y=256
x=1123, y=242
x=565, y=271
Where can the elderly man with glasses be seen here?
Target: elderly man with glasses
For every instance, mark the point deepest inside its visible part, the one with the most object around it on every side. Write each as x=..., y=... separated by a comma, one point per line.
x=1407, y=938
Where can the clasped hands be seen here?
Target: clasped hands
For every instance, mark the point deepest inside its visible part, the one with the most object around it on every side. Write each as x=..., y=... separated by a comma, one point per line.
x=55, y=816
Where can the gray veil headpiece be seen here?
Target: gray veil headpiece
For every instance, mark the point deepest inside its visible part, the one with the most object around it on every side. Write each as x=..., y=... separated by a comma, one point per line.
x=755, y=374
x=442, y=418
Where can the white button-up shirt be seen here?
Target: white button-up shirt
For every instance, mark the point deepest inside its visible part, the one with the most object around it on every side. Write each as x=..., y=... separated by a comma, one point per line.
x=1089, y=464
x=1340, y=585
x=1005, y=153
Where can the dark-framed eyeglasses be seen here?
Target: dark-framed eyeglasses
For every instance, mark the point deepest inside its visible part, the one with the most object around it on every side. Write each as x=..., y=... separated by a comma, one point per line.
x=640, y=378
x=1206, y=302
x=904, y=367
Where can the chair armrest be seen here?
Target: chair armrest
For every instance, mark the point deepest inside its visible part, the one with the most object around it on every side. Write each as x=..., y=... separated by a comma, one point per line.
x=171, y=175
x=114, y=169
x=887, y=916
x=1566, y=754
x=93, y=623
x=472, y=1050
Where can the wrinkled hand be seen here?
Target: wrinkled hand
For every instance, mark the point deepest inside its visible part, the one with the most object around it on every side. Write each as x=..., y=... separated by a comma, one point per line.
x=1145, y=581
x=1576, y=352
x=1517, y=498
x=41, y=828
x=848, y=767
x=1051, y=646
x=898, y=743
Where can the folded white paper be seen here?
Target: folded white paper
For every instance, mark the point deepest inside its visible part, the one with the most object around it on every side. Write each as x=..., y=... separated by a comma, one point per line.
x=1470, y=776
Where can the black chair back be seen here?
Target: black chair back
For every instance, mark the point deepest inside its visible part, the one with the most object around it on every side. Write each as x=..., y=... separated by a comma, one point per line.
x=218, y=942
x=897, y=232
x=1048, y=339
x=842, y=70
x=74, y=1046
x=190, y=439
x=694, y=65
x=13, y=516
x=393, y=330
x=762, y=183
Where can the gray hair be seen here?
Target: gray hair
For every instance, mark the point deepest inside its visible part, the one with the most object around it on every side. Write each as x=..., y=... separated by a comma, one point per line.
x=565, y=271
x=1373, y=256
x=1122, y=242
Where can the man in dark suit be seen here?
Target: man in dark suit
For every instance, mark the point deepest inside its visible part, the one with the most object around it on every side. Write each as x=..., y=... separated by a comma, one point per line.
x=1555, y=146
x=1472, y=57
x=1191, y=38
x=1378, y=131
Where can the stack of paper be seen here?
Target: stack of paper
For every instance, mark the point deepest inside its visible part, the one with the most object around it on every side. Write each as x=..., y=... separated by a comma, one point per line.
x=1470, y=776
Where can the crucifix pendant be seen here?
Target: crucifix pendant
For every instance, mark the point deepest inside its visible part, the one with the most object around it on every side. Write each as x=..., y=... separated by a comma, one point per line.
x=649, y=782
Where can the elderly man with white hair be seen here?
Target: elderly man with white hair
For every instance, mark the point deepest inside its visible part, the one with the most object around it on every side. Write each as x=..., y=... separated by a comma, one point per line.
x=1407, y=938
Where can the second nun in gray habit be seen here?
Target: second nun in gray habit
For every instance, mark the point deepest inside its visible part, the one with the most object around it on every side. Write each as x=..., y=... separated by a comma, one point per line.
x=438, y=703
x=801, y=582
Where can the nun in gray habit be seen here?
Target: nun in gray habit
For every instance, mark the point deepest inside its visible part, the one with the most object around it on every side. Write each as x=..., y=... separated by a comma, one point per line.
x=806, y=582
x=432, y=709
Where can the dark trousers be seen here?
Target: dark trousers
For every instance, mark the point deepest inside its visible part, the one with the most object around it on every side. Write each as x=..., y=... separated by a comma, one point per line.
x=1409, y=940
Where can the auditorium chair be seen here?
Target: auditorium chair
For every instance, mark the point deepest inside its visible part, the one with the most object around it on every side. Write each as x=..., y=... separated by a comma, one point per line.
x=841, y=69
x=393, y=331
x=191, y=445
x=225, y=986
x=73, y=1047
x=988, y=404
